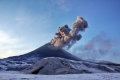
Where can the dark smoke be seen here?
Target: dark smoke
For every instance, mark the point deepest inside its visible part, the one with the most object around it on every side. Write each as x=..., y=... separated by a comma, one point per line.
x=66, y=37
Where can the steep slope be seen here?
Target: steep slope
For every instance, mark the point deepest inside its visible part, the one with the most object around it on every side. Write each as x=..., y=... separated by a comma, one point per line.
x=43, y=52
x=22, y=61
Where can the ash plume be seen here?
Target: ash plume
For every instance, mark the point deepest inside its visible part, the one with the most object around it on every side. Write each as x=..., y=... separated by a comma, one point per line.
x=66, y=37
x=100, y=47
x=101, y=42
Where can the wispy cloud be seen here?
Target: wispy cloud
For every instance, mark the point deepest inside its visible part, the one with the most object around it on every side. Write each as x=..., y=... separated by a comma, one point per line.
x=7, y=52
x=11, y=45
x=7, y=38
x=62, y=4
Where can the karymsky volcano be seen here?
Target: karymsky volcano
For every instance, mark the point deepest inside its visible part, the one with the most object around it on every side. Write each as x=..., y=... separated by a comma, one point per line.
x=22, y=61
x=65, y=37
x=43, y=52
x=39, y=61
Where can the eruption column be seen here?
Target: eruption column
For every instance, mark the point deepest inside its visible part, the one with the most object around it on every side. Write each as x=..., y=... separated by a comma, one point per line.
x=66, y=37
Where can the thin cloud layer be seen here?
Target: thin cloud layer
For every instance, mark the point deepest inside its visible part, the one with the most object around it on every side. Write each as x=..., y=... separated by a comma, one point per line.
x=62, y=4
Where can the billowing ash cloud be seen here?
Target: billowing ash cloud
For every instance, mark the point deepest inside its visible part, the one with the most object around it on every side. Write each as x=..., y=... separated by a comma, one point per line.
x=100, y=47
x=66, y=37
x=101, y=42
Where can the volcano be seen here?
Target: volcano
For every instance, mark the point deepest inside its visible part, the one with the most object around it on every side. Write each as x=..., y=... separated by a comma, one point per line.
x=12, y=63
x=43, y=52
x=59, y=61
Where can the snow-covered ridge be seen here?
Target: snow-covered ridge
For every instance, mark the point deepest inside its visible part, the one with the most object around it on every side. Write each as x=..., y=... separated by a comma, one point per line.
x=13, y=65
x=56, y=65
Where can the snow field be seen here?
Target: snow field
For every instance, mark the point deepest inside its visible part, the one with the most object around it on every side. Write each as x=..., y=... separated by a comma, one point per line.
x=8, y=75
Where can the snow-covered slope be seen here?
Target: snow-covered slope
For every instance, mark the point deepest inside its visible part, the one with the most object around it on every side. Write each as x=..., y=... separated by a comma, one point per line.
x=55, y=65
x=13, y=65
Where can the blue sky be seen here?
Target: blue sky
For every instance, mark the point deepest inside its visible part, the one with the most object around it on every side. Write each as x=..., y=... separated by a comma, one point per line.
x=28, y=24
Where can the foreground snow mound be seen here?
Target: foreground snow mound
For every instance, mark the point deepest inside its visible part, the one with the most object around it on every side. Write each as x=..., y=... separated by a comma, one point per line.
x=55, y=65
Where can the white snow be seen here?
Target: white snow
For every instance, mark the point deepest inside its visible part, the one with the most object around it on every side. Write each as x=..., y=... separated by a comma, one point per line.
x=12, y=75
